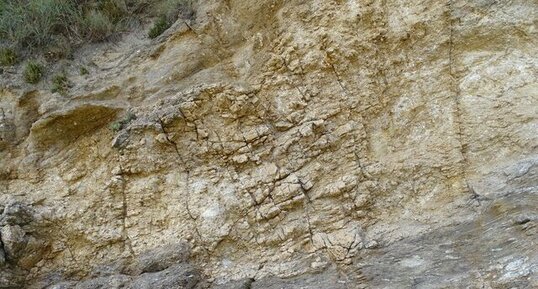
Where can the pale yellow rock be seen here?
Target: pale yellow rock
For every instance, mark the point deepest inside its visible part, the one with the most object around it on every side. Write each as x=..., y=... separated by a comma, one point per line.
x=278, y=130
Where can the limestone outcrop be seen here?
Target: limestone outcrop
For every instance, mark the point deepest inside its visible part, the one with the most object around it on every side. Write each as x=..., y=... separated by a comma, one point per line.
x=283, y=144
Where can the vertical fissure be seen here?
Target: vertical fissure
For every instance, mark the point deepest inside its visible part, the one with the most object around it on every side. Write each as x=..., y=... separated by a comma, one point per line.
x=456, y=96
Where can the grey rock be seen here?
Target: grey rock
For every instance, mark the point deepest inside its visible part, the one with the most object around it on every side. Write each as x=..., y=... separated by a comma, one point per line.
x=120, y=140
x=159, y=259
x=63, y=285
x=16, y=214
x=329, y=279
x=163, y=267
x=109, y=282
x=32, y=253
x=489, y=252
x=519, y=177
x=11, y=279
x=2, y=258
x=180, y=276
x=114, y=268
x=13, y=239
x=20, y=248
x=237, y=284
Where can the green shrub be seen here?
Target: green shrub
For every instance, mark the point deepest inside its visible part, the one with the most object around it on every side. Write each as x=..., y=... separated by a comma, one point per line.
x=60, y=83
x=33, y=72
x=159, y=27
x=8, y=57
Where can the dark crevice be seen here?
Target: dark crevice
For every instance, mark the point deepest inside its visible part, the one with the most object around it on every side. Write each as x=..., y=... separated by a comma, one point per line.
x=3, y=250
x=124, y=208
x=189, y=212
x=172, y=143
x=456, y=96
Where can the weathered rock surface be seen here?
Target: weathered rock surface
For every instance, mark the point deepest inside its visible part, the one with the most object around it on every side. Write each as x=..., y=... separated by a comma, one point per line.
x=291, y=144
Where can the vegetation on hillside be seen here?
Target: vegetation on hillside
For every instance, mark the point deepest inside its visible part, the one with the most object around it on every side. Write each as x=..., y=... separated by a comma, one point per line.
x=55, y=27
x=36, y=33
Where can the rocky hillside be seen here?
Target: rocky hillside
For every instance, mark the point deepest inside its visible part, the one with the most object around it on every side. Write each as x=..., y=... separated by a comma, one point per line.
x=282, y=144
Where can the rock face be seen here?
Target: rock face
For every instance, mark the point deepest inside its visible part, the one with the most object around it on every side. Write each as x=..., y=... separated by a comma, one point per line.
x=284, y=144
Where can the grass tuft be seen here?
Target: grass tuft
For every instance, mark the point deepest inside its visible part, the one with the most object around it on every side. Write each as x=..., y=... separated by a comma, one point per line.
x=169, y=11
x=33, y=72
x=8, y=57
x=34, y=23
x=83, y=70
x=97, y=25
x=60, y=84
x=159, y=27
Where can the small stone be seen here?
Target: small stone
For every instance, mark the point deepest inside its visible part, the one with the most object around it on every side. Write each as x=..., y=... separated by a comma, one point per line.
x=120, y=140
x=306, y=130
x=13, y=240
x=240, y=159
x=371, y=245
x=2, y=257
x=162, y=138
x=16, y=214
x=116, y=171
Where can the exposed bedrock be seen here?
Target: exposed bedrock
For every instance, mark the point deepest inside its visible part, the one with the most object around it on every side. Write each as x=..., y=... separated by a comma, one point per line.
x=283, y=144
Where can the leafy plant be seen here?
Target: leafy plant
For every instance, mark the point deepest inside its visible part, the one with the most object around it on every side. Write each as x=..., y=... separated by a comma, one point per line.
x=33, y=72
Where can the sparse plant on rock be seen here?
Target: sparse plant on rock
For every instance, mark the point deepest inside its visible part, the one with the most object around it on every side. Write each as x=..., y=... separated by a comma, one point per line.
x=83, y=70
x=159, y=27
x=97, y=25
x=60, y=83
x=33, y=72
x=120, y=124
x=169, y=11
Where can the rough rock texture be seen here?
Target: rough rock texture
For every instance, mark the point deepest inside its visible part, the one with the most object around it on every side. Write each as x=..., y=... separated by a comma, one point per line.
x=292, y=144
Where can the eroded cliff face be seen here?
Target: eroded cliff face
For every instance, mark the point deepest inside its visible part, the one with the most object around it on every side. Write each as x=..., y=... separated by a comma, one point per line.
x=293, y=144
